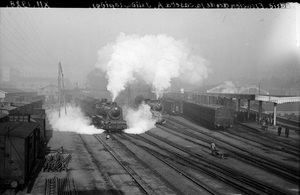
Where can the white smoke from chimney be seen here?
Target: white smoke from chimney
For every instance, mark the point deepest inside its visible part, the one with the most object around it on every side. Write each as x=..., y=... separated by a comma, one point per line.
x=154, y=58
x=73, y=121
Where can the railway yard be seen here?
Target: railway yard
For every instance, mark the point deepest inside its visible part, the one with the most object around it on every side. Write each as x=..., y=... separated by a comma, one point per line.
x=156, y=101
x=175, y=158
x=192, y=148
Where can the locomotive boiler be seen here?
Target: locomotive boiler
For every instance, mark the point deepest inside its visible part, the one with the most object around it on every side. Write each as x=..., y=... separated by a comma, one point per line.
x=105, y=114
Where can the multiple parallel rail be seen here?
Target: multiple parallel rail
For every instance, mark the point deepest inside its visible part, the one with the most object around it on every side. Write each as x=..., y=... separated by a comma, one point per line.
x=108, y=181
x=182, y=160
x=236, y=179
x=239, y=181
x=169, y=162
x=139, y=181
x=287, y=172
x=284, y=144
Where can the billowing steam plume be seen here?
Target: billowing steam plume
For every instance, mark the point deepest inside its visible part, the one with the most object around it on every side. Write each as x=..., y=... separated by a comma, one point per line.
x=140, y=120
x=73, y=121
x=154, y=58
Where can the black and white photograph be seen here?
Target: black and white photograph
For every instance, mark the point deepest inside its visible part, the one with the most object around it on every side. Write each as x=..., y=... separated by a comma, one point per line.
x=109, y=99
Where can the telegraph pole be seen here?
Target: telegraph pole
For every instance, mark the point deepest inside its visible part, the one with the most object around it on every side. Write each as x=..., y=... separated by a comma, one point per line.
x=61, y=88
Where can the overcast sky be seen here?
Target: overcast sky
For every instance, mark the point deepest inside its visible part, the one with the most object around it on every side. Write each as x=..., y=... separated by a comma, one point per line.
x=235, y=42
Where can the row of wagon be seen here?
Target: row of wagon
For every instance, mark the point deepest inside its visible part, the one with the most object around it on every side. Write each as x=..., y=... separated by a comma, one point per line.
x=22, y=145
x=212, y=116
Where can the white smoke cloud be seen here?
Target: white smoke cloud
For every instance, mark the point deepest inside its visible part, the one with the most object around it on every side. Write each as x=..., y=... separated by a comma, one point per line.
x=140, y=120
x=154, y=58
x=73, y=121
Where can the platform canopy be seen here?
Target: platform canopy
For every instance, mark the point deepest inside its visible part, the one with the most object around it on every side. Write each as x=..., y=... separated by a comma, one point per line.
x=278, y=100
x=264, y=98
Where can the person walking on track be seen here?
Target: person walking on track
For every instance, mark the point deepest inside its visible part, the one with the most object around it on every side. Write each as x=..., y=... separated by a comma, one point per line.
x=279, y=130
x=287, y=132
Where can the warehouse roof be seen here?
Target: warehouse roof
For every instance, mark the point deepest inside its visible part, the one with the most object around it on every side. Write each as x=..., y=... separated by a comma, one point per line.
x=17, y=129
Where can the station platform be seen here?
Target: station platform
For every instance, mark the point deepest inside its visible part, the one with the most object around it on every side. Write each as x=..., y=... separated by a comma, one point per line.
x=293, y=134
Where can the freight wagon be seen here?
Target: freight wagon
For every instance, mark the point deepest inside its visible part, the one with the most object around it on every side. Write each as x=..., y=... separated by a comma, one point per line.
x=171, y=106
x=32, y=112
x=39, y=117
x=21, y=151
x=211, y=116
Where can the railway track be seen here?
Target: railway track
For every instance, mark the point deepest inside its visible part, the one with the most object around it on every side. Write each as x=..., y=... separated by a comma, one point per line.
x=285, y=171
x=169, y=164
x=251, y=182
x=248, y=140
x=231, y=177
x=139, y=181
x=242, y=157
x=293, y=123
x=60, y=186
x=106, y=177
x=268, y=139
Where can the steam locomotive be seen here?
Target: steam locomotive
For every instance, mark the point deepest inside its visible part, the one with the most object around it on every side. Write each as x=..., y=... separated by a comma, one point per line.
x=156, y=108
x=104, y=114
